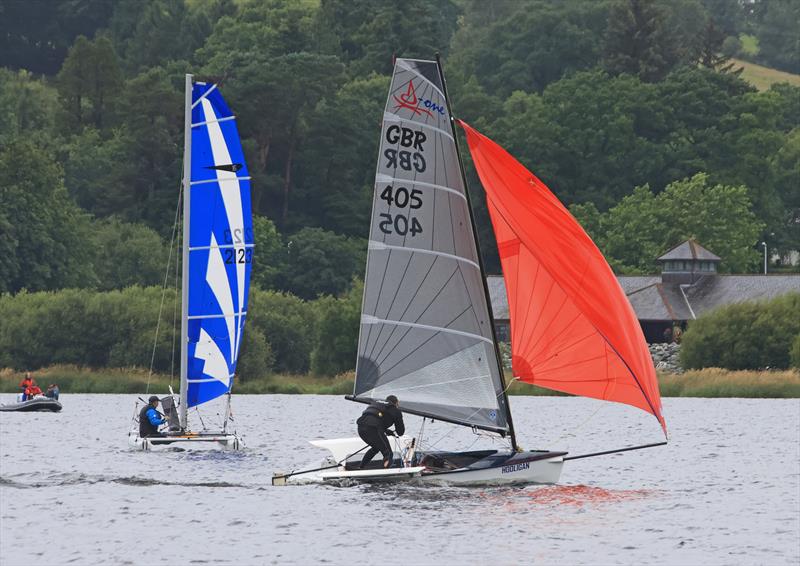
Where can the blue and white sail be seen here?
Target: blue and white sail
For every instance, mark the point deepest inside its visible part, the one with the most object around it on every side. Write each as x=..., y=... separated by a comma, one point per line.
x=219, y=251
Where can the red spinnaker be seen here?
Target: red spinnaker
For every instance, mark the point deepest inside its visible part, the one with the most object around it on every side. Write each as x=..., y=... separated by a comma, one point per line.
x=572, y=327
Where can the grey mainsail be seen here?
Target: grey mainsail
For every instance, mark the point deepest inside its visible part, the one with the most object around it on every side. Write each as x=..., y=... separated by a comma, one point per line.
x=426, y=334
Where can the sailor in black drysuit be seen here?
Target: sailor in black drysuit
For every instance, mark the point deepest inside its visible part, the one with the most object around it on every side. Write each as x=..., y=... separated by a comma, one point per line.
x=373, y=425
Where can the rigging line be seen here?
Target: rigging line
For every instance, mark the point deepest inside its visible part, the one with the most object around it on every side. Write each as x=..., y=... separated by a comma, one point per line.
x=503, y=392
x=164, y=288
x=174, y=321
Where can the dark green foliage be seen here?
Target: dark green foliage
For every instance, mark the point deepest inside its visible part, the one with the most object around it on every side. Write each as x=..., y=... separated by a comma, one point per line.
x=44, y=237
x=595, y=97
x=640, y=41
x=256, y=357
x=750, y=335
x=35, y=34
x=321, y=263
x=371, y=31
x=795, y=353
x=337, y=332
x=288, y=326
x=88, y=84
x=778, y=35
x=528, y=45
x=28, y=106
x=128, y=254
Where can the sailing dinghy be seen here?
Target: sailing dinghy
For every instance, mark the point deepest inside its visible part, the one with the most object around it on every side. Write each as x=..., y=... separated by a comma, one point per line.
x=427, y=333
x=217, y=259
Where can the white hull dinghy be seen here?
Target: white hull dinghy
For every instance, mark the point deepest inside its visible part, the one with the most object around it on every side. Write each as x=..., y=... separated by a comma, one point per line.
x=217, y=252
x=40, y=403
x=427, y=334
x=479, y=467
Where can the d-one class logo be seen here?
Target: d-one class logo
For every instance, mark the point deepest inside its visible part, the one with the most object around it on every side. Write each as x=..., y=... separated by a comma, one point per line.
x=418, y=106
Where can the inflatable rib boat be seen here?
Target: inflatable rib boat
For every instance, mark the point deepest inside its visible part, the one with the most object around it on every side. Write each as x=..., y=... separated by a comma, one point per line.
x=35, y=404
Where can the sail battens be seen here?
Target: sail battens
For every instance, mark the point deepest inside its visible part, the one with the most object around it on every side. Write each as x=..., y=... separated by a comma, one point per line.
x=204, y=95
x=208, y=380
x=224, y=315
x=392, y=117
x=411, y=388
x=374, y=245
x=220, y=181
x=213, y=121
x=222, y=247
x=366, y=319
x=384, y=179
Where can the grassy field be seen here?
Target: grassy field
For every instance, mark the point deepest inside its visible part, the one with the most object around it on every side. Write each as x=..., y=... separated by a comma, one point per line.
x=711, y=382
x=762, y=77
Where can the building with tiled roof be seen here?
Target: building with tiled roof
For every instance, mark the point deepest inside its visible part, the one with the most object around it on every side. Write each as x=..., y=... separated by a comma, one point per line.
x=687, y=287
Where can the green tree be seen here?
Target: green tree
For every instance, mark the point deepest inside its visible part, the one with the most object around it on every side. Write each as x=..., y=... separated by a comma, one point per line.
x=779, y=35
x=526, y=45
x=269, y=255
x=45, y=233
x=256, y=357
x=127, y=254
x=35, y=35
x=370, y=31
x=337, y=172
x=28, y=107
x=145, y=179
x=795, y=352
x=752, y=335
x=643, y=225
x=322, y=263
x=640, y=41
x=336, y=333
x=287, y=323
x=88, y=83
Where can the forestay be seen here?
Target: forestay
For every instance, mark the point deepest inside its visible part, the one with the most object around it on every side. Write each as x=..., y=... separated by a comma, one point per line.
x=426, y=334
x=220, y=246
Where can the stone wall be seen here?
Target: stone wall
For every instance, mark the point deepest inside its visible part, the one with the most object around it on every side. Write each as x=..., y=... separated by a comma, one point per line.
x=666, y=357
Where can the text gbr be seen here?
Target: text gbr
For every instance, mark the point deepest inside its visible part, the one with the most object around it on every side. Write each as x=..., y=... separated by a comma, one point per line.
x=402, y=158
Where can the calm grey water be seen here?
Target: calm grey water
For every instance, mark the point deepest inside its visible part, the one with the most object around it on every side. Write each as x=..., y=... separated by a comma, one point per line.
x=725, y=491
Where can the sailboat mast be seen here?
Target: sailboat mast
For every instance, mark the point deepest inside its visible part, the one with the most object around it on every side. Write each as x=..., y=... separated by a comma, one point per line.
x=187, y=177
x=480, y=257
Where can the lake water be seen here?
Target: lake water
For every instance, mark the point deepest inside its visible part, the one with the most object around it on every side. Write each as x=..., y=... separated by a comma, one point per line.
x=726, y=490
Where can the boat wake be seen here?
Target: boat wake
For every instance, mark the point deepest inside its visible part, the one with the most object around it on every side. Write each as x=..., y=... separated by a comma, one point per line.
x=61, y=480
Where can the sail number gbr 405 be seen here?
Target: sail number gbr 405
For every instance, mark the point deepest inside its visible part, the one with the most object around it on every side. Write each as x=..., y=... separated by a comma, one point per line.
x=401, y=197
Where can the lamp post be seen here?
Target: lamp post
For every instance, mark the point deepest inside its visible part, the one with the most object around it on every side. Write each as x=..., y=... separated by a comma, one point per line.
x=765, y=257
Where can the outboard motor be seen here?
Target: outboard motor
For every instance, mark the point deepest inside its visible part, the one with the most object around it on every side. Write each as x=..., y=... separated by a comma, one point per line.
x=171, y=411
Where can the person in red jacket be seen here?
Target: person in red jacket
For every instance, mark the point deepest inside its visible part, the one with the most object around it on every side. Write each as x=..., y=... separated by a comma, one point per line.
x=25, y=384
x=33, y=391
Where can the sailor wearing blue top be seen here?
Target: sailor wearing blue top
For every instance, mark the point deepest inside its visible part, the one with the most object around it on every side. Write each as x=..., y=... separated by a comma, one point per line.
x=150, y=419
